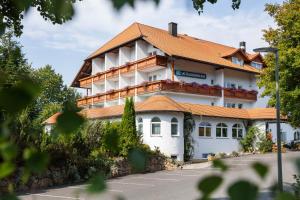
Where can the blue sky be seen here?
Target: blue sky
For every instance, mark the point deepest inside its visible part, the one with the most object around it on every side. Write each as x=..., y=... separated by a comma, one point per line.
x=66, y=46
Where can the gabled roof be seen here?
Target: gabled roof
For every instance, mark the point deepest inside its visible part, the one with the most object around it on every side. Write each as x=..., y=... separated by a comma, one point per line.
x=160, y=103
x=182, y=46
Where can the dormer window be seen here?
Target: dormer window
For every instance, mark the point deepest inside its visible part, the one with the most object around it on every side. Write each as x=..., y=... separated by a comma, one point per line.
x=237, y=61
x=257, y=65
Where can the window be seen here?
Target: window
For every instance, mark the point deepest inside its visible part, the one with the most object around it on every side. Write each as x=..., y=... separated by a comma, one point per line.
x=237, y=131
x=205, y=129
x=152, y=77
x=155, y=126
x=221, y=130
x=240, y=87
x=297, y=135
x=230, y=105
x=230, y=85
x=240, y=105
x=257, y=65
x=174, y=127
x=237, y=61
x=140, y=126
x=212, y=82
x=212, y=103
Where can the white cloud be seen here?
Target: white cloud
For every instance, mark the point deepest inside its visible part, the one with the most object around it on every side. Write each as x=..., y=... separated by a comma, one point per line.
x=96, y=22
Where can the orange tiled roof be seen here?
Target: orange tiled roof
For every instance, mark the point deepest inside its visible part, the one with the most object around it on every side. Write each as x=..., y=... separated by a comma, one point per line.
x=182, y=46
x=164, y=103
x=52, y=119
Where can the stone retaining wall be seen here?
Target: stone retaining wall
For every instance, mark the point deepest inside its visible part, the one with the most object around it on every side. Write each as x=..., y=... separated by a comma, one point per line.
x=61, y=176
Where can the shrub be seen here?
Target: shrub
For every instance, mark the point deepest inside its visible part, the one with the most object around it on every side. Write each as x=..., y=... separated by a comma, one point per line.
x=235, y=154
x=247, y=142
x=265, y=145
x=221, y=155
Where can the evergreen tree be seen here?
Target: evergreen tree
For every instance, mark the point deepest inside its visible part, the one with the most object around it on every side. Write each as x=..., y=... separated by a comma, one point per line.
x=129, y=137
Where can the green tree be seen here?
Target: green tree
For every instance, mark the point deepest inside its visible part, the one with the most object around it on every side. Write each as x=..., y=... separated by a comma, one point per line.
x=199, y=4
x=53, y=90
x=285, y=37
x=129, y=137
x=12, y=61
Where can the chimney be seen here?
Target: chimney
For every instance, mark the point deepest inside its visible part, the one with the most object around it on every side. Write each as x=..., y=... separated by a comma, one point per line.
x=173, y=29
x=243, y=46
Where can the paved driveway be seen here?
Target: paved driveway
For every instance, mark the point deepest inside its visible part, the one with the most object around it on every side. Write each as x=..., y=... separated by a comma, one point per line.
x=177, y=184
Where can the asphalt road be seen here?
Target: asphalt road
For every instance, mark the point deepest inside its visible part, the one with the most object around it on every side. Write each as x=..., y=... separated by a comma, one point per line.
x=176, y=184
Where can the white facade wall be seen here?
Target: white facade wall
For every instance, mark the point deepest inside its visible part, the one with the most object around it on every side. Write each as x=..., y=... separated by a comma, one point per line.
x=97, y=65
x=195, y=67
x=112, y=84
x=213, y=144
x=111, y=60
x=98, y=87
x=191, y=98
x=169, y=145
x=287, y=132
x=126, y=55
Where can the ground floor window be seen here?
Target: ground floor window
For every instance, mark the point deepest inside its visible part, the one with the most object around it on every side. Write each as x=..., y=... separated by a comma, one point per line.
x=140, y=126
x=221, y=130
x=297, y=135
x=205, y=129
x=174, y=127
x=237, y=131
x=155, y=126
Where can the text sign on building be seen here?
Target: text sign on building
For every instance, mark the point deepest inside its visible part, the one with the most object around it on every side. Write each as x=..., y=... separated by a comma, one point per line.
x=190, y=74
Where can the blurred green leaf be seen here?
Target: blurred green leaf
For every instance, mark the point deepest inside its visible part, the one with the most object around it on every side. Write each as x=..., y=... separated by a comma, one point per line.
x=35, y=161
x=6, y=168
x=68, y=122
x=8, y=151
x=96, y=184
x=220, y=164
x=261, y=169
x=9, y=197
x=137, y=159
x=17, y=97
x=209, y=184
x=243, y=190
x=285, y=196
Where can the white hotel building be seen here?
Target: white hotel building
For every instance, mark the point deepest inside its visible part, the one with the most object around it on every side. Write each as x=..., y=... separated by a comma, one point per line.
x=170, y=74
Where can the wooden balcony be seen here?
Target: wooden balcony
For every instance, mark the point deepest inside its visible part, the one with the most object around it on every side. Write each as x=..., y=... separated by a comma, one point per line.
x=240, y=94
x=151, y=87
x=129, y=67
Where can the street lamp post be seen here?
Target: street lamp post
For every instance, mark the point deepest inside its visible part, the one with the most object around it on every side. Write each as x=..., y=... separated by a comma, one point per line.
x=278, y=130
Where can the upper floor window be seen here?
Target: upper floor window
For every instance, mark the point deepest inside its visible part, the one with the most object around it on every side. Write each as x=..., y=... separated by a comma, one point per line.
x=140, y=126
x=230, y=85
x=205, y=129
x=221, y=130
x=237, y=131
x=174, y=127
x=237, y=61
x=152, y=78
x=230, y=105
x=257, y=65
x=155, y=126
x=240, y=105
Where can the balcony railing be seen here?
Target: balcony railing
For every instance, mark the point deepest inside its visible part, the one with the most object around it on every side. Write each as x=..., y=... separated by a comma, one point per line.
x=150, y=87
x=151, y=61
x=240, y=94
